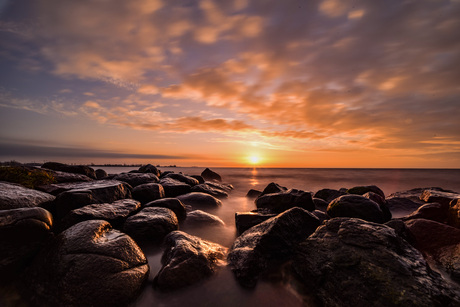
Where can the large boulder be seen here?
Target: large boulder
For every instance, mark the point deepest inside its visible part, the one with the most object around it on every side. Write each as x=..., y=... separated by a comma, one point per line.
x=433, y=211
x=76, y=195
x=135, y=179
x=174, y=188
x=201, y=218
x=269, y=243
x=76, y=169
x=208, y=174
x=414, y=194
x=115, y=213
x=149, y=168
x=27, y=176
x=13, y=196
x=356, y=206
x=183, y=178
x=101, y=174
x=284, y=200
x=273, y=187
x=246, y=220
x=435, y=196
x=89, y=264
x=151, y=224
x=208, y=189
x=23, y=232
x=199, y=200
x=148, y=192
x=352, y=262
x=187, y=260
x=329, y=195
x=253, y=194
x=171, y=203
x=361, y=190
x=439, y=242
x=454, y=213
x=382, y=204
x=320, y=204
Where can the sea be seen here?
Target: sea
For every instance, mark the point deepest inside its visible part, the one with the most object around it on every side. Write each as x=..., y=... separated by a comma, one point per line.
x=222, y=289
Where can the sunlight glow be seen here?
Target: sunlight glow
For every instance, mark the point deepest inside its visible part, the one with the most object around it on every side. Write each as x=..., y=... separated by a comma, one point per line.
x=254, y=159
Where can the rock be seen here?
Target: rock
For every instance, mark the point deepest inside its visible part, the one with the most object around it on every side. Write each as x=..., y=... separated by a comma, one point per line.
x=382, y=204
x=414, y=194
x=434, y=196
x=115, y=213
x=149, y=168
x=352, y=262
x=183, y=178
x=89, y=264
x=77, y=195
x=253, y=194
x=329, y=195
x=361, y=190
x=434, y=211
x=356, y=206
x=282, y=201
x=174, y=187
x=220, y=186
x=246, y=220
x=273, y=188
x=27, y=176
x=208, y=174
x=187, y=260
x=439, y=242
x=205, y=188
x=320, y=204
x=13, y=196
x=400, y=206
x=199, y=178
x=135, y=179
x=402, y=230
x=199, y=218
x=199, y=200
x=101, y=174
x=269, y=243
x=23, y=232
x=148, y=192
x=76, y=169
x=63, y=177
x=454, y=213
x=321, y=215
x=171, y=203
x=151, y=224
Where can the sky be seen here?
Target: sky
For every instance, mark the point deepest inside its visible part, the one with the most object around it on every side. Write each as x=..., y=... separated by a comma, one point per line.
x=235, y=83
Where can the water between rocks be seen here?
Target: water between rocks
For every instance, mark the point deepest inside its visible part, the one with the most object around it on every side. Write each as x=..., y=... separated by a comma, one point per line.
x=222, y=289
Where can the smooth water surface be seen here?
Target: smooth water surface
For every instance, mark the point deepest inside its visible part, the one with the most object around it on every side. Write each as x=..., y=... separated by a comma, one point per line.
x=222, y=289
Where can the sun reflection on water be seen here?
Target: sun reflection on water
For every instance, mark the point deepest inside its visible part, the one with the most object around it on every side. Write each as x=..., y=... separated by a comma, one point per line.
x=254, y=181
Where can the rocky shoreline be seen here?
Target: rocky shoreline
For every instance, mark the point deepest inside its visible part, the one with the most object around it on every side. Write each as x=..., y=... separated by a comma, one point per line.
x=73, y=236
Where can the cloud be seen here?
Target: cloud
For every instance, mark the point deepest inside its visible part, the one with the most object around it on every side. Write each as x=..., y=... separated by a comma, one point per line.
x=361, y=74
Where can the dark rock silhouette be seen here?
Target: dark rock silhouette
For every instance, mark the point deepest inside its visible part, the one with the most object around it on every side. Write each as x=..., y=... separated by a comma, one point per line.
x=208, y=174
x=356, y=206
x=77, y=169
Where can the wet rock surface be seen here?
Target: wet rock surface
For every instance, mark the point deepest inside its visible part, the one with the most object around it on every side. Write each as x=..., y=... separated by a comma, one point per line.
x=329, y=195
x=135, y=179
x=148, y=192
x=171, y=203
x=246, y=220
x=208, y=189
x=208, y=174
x=23, y=232
x=352, y=262
x=115, y=213
x=201, y=218
x=436, y=196
x=269, y=243
x=187, y=260
x=89, y=264
x=356, y=206
x=433, y=211
x=439, y=242
x=151, y=224
x=198, y=200
x=76, y=169
x=183, y=178
x=174, y=188
x=282, y=201
x=13, y=196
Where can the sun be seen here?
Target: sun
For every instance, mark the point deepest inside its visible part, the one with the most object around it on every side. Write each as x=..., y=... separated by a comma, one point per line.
x=254, y=159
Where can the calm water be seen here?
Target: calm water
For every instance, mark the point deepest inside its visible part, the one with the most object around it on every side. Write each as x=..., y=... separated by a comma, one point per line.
x=222, y=289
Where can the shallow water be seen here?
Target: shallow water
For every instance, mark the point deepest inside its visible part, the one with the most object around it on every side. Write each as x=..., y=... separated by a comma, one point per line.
x=222, y=289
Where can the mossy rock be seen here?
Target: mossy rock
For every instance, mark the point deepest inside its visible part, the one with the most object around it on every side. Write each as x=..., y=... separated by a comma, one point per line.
x=28, y=177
